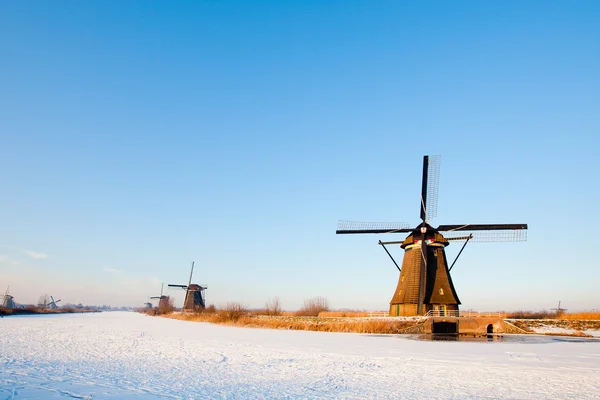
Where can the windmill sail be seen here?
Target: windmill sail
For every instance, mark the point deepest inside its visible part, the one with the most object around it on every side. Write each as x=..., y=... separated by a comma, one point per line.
x=486, y=233
x=349, y=227
x=430, y=187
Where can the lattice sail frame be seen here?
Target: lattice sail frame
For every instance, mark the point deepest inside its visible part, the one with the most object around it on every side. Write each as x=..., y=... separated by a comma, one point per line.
x=363, y=225
x=501, y=235
x=433, y=185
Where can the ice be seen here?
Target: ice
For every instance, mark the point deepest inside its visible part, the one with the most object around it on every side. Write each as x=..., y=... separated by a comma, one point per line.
x=134, y=356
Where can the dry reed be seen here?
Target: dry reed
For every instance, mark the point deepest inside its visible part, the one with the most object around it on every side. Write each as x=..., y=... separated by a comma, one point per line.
x=581, y=316
x=355, y=325
x=343, y=314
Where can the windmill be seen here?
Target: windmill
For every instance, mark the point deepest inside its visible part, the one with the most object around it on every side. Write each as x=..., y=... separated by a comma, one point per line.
x=8, y=301
x=194, y=294
x=163, y=301
x=53, y=304
x=424, y=283
x=559, y=311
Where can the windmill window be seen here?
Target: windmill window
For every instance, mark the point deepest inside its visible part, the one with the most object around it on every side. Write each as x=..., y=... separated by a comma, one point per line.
x=402, y=278
x=400, y=292
x=441, y=291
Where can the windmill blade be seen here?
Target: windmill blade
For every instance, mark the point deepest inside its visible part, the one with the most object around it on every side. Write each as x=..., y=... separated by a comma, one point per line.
x=179, y=286
x=348, y=227
x=481, y=227
x=430, y=186
x=486, y=233
x=191, y=273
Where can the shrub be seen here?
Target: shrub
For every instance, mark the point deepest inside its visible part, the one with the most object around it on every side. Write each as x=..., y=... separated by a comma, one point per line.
x=232, y=312
x=312, y=307
x=272, y=307
x=531, y=315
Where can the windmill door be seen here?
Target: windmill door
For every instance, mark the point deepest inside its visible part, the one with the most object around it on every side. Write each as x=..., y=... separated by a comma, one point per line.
x=440, y=309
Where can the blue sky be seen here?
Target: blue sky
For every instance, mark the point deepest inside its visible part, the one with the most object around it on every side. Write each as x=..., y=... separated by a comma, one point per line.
x=139, y=136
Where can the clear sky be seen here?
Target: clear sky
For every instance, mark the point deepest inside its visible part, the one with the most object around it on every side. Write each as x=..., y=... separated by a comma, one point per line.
x=138, y=136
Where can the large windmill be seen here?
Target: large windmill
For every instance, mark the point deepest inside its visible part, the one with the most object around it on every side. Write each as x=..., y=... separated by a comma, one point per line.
x=425, y=283
x=194, y=294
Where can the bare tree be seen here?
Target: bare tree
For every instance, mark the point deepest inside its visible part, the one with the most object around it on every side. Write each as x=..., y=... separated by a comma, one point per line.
x=273, y=307
x=43, y=301
x=312, y=307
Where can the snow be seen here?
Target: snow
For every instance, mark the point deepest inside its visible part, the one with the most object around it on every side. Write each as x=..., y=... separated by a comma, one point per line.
x=132, y=356
x=558, y=330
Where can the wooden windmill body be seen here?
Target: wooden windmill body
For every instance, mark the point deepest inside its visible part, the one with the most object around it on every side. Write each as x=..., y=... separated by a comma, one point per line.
x=425, y=283
x=194, y=294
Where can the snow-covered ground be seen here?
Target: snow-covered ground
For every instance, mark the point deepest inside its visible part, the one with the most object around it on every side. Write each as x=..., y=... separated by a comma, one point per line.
x=129, y=355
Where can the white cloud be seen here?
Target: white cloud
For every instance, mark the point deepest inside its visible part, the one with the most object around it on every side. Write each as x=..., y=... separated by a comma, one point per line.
x=111, y=270
x=35, y=254
x=32, y=254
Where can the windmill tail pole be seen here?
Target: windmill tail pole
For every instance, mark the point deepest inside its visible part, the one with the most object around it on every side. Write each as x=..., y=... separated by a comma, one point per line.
x=461, y=250
x=191, y=273
x=388, y=253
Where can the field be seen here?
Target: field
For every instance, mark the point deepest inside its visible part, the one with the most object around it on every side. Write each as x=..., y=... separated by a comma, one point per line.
x=131, y=355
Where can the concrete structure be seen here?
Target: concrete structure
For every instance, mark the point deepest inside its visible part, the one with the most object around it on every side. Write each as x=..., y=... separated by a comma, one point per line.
x=469, y=325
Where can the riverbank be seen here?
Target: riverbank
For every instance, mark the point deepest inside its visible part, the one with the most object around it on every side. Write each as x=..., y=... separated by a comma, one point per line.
x=376, y=325
x=5, y=312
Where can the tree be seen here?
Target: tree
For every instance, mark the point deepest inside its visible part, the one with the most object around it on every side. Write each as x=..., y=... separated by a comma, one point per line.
x=273, y=307
x=43, y=301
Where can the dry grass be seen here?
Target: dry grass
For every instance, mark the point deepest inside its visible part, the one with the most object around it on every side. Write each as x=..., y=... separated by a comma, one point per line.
x=355, y=325
x=531, y=315
x=343, y=314
x=581, y=316
x=236, y=315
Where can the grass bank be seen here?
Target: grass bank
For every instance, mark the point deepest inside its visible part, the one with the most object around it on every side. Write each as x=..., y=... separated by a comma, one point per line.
x=33, y=311
x=329, y=324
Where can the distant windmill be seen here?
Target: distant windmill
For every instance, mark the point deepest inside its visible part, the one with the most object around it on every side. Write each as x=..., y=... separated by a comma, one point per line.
x=559, y=310
x=163, y=301
x=194, y=294
x=424, y=283
x=8, y=300
x=53, y=304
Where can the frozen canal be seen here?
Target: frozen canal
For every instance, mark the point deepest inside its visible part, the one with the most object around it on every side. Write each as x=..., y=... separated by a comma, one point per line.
x=129, y=355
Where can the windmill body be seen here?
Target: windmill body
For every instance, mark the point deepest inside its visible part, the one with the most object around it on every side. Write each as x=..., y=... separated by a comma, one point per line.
x=425, y=283
x=163, y=301
x=8, y=301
